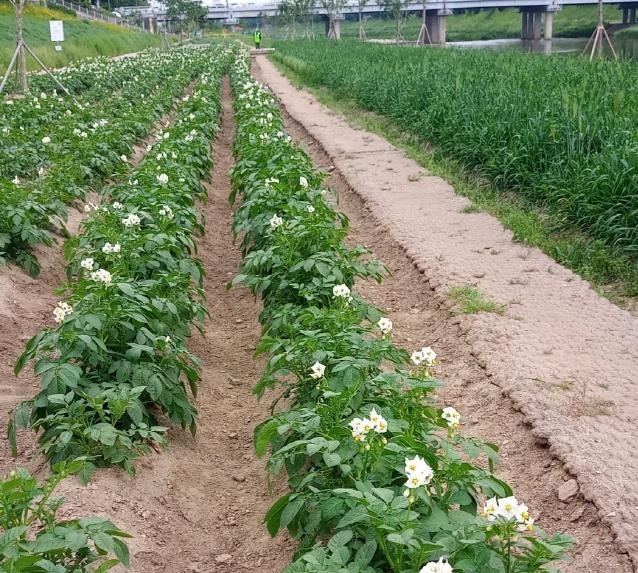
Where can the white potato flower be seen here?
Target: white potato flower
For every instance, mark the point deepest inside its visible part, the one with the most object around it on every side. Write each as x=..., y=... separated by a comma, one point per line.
x=303, y=182
x=508, y=509
x=439, y=566
x=429, y=356
x=340, y=291
x=357, y=425
x=87, y=264
x=379, y=423
x=166, y=211
x=61, y=311
x=109, y=249
x=311, y=209
x=426, y=354
x=15, y=180
x=385, y=325
x=124, y=158
x=131, y=220
x=46, y=140
x=451, y=416
x=418, y=471
x=416, y=357
x=162, y=179
x=101, y=276
x=117, y=206
x=275, y=221
x=317, y=370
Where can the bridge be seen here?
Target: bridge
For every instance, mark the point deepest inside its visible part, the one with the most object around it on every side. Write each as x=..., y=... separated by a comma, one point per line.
x=536, y=15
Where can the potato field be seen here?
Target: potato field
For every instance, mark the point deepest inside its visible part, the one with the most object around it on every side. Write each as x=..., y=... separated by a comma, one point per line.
x=197, y=273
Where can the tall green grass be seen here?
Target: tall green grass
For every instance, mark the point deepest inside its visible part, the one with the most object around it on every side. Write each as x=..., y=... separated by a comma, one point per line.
x=82, y=39
x=559, y=132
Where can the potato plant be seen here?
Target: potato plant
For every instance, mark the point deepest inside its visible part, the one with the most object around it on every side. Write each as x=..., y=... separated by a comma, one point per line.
x=34, y=540
x=380, y=477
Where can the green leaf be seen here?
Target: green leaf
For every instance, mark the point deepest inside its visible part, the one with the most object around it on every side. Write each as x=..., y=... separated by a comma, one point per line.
x=107, y=565
x=264, y=435
x=154, y=387
x=366, y=552
x=383, y=493
x=355, y=515
x=126, y=288
x=331, y=459
x=290, y=511
x=272, y=518
x=339, y=539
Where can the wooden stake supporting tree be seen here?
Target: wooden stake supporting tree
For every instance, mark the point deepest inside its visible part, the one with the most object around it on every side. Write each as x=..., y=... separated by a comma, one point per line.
x=395, y=8
x=424, y=35
x=598, y=37
x=19, y=58
x=360, y=5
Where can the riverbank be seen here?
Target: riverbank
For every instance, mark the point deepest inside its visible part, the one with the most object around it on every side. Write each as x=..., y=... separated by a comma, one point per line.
x=81, y=38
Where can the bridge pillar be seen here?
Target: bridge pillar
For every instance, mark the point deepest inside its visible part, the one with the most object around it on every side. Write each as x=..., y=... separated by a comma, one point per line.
x=435, y=23
x=549, y=25
x=531, y=21
x=632, y=15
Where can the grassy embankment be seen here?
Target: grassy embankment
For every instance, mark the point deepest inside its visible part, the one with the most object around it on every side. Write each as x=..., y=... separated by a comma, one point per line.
x=570, y=22
x=560, y=177
x=82, y=39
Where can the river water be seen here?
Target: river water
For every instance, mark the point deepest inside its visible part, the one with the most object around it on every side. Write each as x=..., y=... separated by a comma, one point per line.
x=625, y=48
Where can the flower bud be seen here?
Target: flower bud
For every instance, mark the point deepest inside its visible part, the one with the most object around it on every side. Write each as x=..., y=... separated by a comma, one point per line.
x=367, y=447
x=406, y=493
x=384, y=441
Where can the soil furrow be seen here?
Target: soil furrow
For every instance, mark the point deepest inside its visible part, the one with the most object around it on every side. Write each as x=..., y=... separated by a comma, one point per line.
x=199, y=506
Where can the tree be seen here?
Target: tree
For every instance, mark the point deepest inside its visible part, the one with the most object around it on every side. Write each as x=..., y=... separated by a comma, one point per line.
x=333, y=9
x=360, y=5
x=395, y=9
x=21, y=55
x=287, y=14
x=190, y=11
x=304, y=10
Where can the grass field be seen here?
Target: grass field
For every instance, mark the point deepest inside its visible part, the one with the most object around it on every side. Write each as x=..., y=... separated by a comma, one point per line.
x=82, y=39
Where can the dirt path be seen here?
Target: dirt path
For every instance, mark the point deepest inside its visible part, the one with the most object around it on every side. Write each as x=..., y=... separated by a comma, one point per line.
x=558, y=369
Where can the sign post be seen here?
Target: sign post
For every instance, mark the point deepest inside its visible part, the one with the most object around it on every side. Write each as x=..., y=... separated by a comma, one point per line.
x=56, y=28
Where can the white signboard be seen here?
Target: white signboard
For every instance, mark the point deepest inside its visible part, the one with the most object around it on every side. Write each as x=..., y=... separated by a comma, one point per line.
x=56, y=28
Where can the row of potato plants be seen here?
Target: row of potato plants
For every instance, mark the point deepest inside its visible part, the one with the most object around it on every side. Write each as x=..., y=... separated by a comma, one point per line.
x=90, y=144
x=380, y=478
x=559, y=132
x=116, y=360
x=50, y=103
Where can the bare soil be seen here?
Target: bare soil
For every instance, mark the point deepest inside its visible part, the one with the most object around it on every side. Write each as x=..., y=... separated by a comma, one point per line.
x=199, y=506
